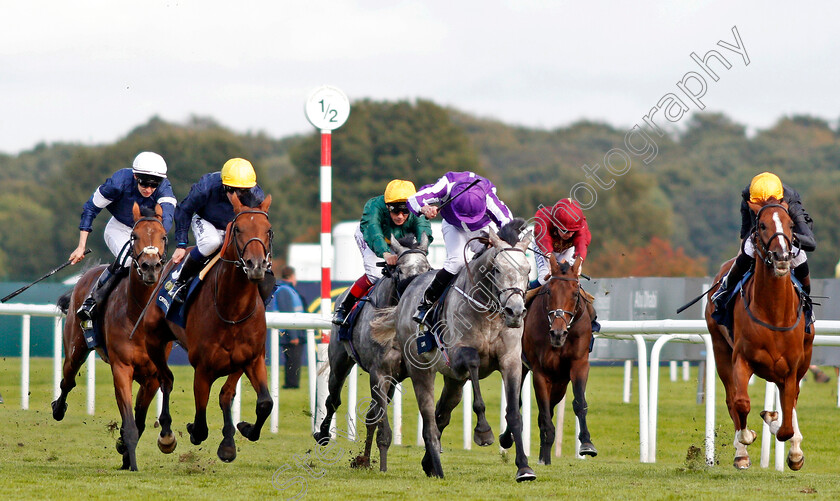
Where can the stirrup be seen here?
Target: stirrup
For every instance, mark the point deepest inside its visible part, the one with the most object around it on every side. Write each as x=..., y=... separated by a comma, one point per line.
x=85, y=311
x=180, y=293
x=339, y=317
x=422, y=312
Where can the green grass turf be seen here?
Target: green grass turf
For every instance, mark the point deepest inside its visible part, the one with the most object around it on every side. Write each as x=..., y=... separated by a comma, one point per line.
x=75, y=458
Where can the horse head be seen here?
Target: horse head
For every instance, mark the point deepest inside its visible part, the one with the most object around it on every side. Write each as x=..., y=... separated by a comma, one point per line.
x=563, y=286
x=148, y=243
x=412, y=256
x=511, y=269
x=773, y=235
x=250, y=238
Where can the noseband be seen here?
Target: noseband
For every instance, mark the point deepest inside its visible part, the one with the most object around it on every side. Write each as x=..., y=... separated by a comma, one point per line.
x=239, y=262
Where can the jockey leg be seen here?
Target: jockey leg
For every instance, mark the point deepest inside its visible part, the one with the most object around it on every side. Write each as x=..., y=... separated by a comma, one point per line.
x=266, y=286
x=108, y=279
x=193, y=263
x=359, y=289
x=736, y=272
x=433, y=293
x=803, y=274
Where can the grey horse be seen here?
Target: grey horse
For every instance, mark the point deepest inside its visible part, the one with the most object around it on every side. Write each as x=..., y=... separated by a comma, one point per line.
x=383, y=361
x=481, y=331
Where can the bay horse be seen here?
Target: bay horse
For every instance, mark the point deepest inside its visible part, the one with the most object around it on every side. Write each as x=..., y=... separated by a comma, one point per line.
x=555, y=344
x=768, y=337
x=481, y=332
x=225, y=330
x=126, y=355
x=382, y=360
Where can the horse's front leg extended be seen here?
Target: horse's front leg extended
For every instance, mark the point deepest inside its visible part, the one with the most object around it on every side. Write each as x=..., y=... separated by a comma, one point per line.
x=542, y=392
x=259, y=380
x=511, y=368
x=340, y=366
x=127, y=443
x=227, y=448
x=741, y=405
x=145, y=395
x=201, y=392
x=579, y=375
x=796, y=458
x=468, y=359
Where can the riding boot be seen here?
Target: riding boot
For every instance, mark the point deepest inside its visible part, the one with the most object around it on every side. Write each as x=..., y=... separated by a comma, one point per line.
x=341, y=312
x=433, y=293
x=104, y=284
x=189, y=269
x=736, y=273
x=266, y=286
x=593, y=317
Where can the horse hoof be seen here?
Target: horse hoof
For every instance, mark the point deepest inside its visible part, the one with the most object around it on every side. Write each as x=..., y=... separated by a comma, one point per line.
x=795, y=465
x=525, y=474
x=167, y=443
x=194, y=438
x=769, y=416
x=121, y=448
x=248, y=431
x=227, y=453
x=587, y=449
x=322, y=440
x=59, y=410
x=506, y=440
x=484, y=438
x=742, y=463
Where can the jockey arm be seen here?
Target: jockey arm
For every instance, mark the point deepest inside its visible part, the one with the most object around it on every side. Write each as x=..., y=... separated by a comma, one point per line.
x=371, y=225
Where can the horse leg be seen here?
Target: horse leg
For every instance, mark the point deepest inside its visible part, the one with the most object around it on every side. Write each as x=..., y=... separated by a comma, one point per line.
x=542, y=392
x=506, y=438
x=144, y=398
x=579, y=375
x=741, y=405
x=467, y=359
x=75, y=354
x=384, y=435
x=795, y=458
x=424, y=390
x=340, y=365
x=227, y=448
x=511, y=368
x=127, y=443
x=381, y=391
x=201, y=392
x=259, y=380
x=166, y=441
x=450, y=397
x=723, y=362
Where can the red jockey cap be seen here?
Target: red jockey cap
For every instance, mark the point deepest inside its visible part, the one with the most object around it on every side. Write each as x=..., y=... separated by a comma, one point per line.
x=567, y=215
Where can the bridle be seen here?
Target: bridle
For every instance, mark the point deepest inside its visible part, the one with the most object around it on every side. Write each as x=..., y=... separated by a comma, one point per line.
x=762, y=247
x=233, y=231
x=150, y=249
x=513, y=290
x=559, y=312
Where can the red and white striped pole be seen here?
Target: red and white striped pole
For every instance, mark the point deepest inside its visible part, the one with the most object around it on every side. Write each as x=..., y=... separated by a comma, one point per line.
x=327, y=108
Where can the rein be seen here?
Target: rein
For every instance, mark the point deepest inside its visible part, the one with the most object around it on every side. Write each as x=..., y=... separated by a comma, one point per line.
x=146, y=250
x=513, y=290
x=574, y=314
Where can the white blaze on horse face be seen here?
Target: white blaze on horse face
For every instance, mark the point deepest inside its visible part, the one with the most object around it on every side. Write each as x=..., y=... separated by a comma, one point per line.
x=780, y=232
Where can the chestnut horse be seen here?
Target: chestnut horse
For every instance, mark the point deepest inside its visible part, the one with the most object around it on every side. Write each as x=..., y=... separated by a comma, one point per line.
x=126, y=355
x=225, y=330
x=768, y=337
x=555, y=343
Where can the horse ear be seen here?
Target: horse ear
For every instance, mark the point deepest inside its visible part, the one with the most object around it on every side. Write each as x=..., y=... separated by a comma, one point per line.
x=495, y=241
x=525, y=241
x=784, y=204
x=424, y=242
x=577, y=265
x=135, y=211
x=552, y=261
x=266, y=203
x=395, y=245
x=159, y=211
x=754, y=207
x=237, y=205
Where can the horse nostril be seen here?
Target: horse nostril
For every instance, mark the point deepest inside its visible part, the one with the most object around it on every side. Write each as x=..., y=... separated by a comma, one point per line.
x=509, y=311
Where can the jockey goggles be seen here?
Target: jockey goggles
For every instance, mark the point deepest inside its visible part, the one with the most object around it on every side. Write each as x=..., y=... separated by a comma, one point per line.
x=398, y=208
x=240, y=192
x=148, y=181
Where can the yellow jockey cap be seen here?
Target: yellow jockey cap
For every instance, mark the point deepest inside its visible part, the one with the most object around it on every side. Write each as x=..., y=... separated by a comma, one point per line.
x=766, y=186
x=399, y=190
x=239, y=173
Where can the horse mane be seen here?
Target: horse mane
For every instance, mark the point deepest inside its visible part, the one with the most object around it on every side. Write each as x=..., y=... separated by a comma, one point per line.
x=564, y=267
x=409, y=241
x=511, y=231
x=147, y=212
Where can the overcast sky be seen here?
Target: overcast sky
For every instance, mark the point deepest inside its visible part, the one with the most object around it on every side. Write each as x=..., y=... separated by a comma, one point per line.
x=89, y=71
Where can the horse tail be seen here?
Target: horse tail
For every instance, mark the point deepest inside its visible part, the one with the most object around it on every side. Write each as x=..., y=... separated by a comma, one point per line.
x=63, y=302
x=383, y=327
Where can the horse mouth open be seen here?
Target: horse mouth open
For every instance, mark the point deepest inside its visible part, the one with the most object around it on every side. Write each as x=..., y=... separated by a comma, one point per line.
x=781, y=267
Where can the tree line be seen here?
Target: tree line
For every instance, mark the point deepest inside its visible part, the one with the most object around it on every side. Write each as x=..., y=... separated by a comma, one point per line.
x=676, y=215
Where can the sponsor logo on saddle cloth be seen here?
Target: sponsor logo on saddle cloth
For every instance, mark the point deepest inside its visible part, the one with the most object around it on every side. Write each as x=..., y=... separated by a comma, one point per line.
x=175, y=312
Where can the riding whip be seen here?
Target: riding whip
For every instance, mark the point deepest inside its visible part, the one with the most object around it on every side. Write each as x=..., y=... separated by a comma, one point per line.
x=49, y=274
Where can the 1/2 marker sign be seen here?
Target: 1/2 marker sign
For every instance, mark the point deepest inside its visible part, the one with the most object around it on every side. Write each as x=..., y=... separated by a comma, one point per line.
x=327, y=108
